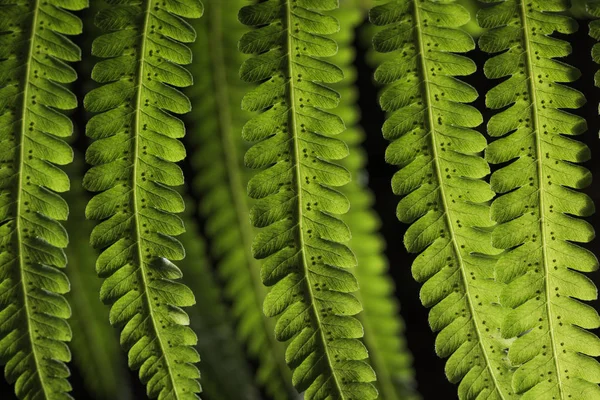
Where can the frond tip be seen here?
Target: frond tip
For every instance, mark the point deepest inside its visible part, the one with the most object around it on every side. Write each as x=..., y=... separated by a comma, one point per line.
x=301, y=241
x=441, y=178
x=33, y=312
x=133, y=158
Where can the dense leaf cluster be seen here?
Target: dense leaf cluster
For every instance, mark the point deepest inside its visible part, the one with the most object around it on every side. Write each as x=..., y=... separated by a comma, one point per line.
x=284, y=257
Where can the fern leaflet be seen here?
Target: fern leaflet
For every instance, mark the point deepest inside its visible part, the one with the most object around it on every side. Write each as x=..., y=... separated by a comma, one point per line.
x=538, y=209
x=593, y=7
x=388, y=354
x=220, y=186
x=132, y=157
x=440, y=177
x=33, y=311
x=301, y=241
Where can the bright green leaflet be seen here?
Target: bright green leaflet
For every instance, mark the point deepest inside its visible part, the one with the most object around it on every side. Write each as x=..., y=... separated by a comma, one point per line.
x=133, y=159
x=301, y=241
x=95, y=344
x=33, y=312
x=384, y=336
x=440, y=176
x=226, y=374
x=221, y=179
x=538, y=207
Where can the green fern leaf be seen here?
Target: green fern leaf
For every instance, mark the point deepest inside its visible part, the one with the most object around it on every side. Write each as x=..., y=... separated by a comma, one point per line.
x=33, y=312
x=593, y=8
x=384, y=336
x=537, y=212
x=440, y=177
x=218, y=150
x=95, y=345
x=133, y=154
x=301, y=241
x=225, y=372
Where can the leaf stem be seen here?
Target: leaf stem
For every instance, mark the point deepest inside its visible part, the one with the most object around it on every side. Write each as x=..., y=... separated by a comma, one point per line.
x=446, y=207
x=232, y=163
x=19, y=199
x=298, y=189
x=135, y=212
x=540, y=175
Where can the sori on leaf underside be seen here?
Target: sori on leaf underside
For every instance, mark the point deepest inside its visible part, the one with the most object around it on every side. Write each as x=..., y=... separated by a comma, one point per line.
x=538, y=205
x=513, y=327
x=133, y=159
x=301, y=241
x=34, y=51
x=216, y=154
x=441, y=178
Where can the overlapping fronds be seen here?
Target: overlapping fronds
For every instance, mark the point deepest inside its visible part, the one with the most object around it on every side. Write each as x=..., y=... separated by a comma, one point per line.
x=217, y=161
x=388, y=354
x=440, y=176
x=33, y=312
x=133, y=166
x=301, y=241
x=225, y=371
x=96, y=351
x=538, y=207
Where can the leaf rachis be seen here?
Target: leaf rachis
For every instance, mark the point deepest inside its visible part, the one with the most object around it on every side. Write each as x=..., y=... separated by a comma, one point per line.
x=302, y=241
x=298, y=190
x=271, y=356
x=537, y=206
x=135, y=204
x=133, y=158
x=33, y=311
x=433, y=143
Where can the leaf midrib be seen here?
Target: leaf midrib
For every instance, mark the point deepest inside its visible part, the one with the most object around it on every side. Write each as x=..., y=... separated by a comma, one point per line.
x=136, y=214
x=298, y=189
x=452, y=234
x=234, y=181
x=529, y=66
x=19, y=200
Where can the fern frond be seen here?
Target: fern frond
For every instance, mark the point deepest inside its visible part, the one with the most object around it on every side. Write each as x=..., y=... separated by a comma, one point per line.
x=225, y=371
x=538, y=209
x=384, y=336
x=95, y=345
x=301, y=241
x=217, y=161
x=440, y=176
x=133, y=166
x=33, y=312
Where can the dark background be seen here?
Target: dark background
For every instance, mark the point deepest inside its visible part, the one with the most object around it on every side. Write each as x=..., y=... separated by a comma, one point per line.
x=429, y=369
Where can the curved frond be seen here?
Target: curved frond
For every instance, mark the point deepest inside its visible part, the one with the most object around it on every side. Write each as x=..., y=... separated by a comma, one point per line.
x=384, y=328
x=34, y=50
x=220, y=183
x=225, y=371
x=302, y=241
x=95, y=344
x=538, y=209
x=133, y=166
x=441, y=178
